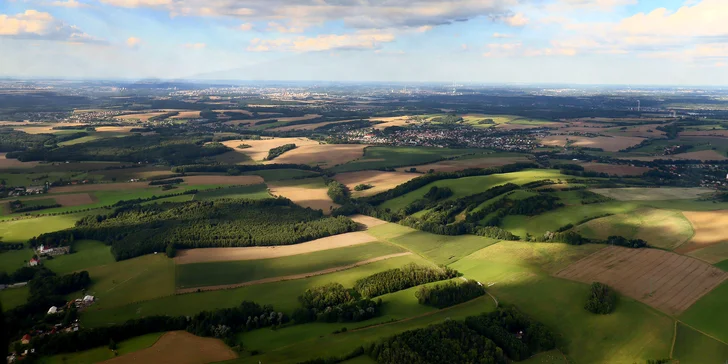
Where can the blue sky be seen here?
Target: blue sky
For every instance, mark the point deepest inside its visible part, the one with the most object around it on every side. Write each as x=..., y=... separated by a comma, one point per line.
x=484, y=41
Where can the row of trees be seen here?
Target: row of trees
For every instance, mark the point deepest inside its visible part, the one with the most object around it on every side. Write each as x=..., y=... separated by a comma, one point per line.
x=449, y=293
x=334, y=303
x=166, y=182
x=135, y=230
x=277, y=151
x=239, y=169
x=397, y=279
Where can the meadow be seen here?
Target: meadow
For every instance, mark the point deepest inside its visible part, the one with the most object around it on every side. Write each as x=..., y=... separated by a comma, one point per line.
x=393, y=157
x=224, y=273
x=705, y=315
x=14, y=297
x=252, y=192
x=97, y=355
x=11, y=260
x=692, y=347
x=86, y=254
x=19, y=231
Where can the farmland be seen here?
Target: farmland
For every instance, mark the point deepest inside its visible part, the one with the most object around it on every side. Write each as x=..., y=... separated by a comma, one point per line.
x=179, y=347
x=708, y=227
x=101, y=354
x=649, y=194
x=393, y=157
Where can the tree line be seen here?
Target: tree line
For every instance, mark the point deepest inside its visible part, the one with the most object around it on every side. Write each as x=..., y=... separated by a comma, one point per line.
x=449, y=293
x=397, y=279
x=277, y=151
x=224, y=168
x=134, y=230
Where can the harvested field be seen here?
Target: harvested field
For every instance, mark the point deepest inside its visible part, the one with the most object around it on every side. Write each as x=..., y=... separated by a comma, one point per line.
x=309, y=126
x=716, y=133
x=119, y=186
x=703, y=155
x=6, y=163
x=652, y=194
x=259, y=149
x=667, y=281
x=460, y=164
x=392, y=121
x=643, y=131
x=293, y=277
x=367, y=221
x=615, y=169
x=179, y=347
x=75, y=199
x=324, y=155
x=315, y=198
x=203, y=255
x=382, y=181
x=609, y=144
x=246, y=112
x=114, y=129
x=144, y=117
x=187, y=115
x=710, y=229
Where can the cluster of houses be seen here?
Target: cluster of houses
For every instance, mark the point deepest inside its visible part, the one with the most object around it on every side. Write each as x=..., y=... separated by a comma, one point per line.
x=25, y=191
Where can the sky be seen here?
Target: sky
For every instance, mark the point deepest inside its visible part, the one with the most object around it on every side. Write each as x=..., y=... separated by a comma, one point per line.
x=631, y=42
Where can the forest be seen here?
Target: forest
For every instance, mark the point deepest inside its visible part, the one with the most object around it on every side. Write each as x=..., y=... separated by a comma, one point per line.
x=135, y=230
x=449, y=293
x=397, y=279
x=168, y=149
x=334, y=303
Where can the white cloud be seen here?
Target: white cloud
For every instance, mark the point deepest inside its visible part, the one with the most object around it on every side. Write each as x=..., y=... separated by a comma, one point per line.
x=360, y=40
x=133, y=42
x=246, y=27
x=68, y=4
x=706, y=18
x=281, y=28
x=603, y=5
x=195, y=45
x=502, y=35
x=516, y=20
x=33, y=24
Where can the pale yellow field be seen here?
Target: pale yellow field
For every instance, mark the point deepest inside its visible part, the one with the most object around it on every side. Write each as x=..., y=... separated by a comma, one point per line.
x=189, y=256
x=325, y=155
x=315, y=198
x=143, y=117
x=382, y=181
x=710, y=229
x=187, y=115
x=460, y=164
x=259, y=148
x=391, y=121
x=114, y=129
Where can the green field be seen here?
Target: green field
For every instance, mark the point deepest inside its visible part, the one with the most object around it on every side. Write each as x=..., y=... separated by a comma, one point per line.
x=11, y=260
x=467, y=186
x=97, y=355
x=519, y=273
x=37, y=178
x=120, y=283
x=253, y=192
x=723, y=265
x=282, y=174
x=280, y=349
x=220, y=273
x=14, y=297
x=708, y=314
x=665, y=229
x=440, y=249
x=86, y=254
x=649, y=194
x=19, y=231
x=692, y=347
x=392, y=157
x=282, y=295
x=29, y=203
x=550, y=221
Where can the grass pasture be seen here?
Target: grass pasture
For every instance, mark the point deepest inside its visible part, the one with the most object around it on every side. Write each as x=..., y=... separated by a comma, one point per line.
x=14, y=297
x=648, y=194
x=665, y=229
x=11, y=260
x=100, y=354
x=142, y=278
x=437, y=248
x=233, y=272
x=86, y=254
x=692, y=347
x=252, y=192
x=19, y=231
x=708, y=314
x=519, y=274
x=282, y=295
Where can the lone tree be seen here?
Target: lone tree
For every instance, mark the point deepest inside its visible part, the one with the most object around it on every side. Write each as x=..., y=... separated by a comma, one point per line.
x=602, y=299
x=171, y=251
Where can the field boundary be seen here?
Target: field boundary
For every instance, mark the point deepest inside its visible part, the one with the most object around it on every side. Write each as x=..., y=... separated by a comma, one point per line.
x=674, y=338
x=291, y=277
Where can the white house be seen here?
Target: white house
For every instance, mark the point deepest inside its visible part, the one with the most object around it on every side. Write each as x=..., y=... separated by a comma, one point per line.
x=53, y=310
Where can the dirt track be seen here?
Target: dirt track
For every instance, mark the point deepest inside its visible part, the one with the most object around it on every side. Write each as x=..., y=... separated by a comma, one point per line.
x=203, y=255
x=179, y=347
x=292, y=277
x=667, y=281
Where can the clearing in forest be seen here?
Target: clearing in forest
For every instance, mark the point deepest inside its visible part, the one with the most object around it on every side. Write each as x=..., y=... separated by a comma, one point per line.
x=652, y=194
x=710, y=229
x=379, y=180
x=203, y=255
x=667, y=281
x=179, y=347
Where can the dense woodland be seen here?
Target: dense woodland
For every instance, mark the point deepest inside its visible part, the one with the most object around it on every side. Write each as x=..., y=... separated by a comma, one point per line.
x=449, y=294
x=397, y=279
x=136, y=230
x=334, y=303
x=488, y=338
x=277, y=151
x=168, y=149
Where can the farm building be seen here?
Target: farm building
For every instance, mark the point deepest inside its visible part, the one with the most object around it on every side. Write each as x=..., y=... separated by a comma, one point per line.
x=53, y=310
x=61, y=250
